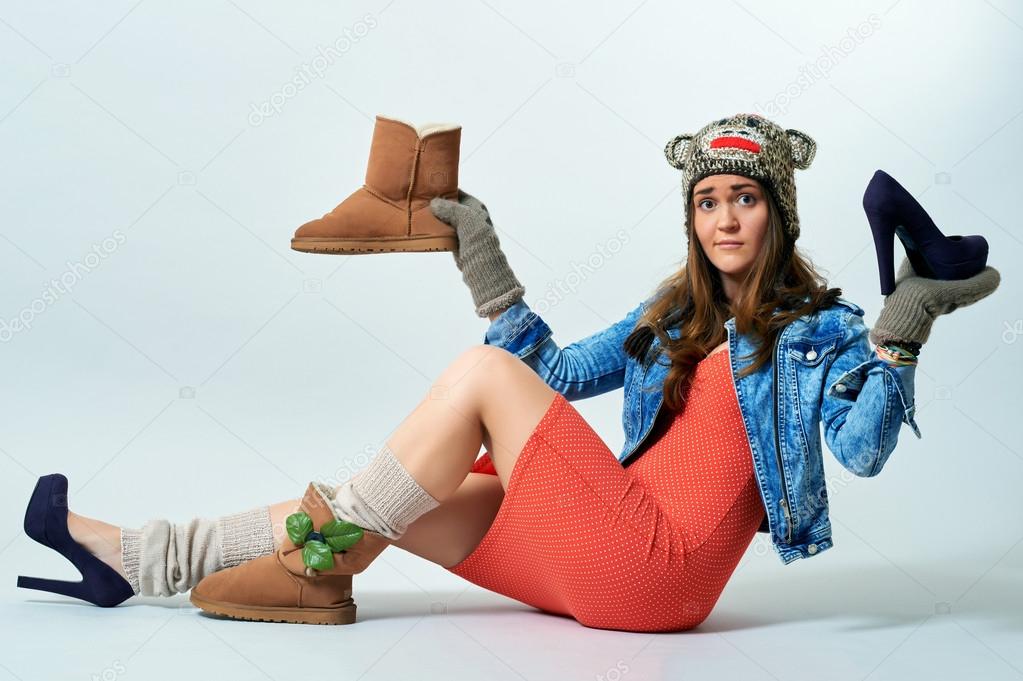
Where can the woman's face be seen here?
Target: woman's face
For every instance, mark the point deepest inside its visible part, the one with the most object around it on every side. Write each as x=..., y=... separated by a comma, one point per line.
x=730, y=219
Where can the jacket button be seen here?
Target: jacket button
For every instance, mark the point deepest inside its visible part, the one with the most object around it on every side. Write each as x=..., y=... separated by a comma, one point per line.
x=840, y=388
x=812, y=354
x=811, y=549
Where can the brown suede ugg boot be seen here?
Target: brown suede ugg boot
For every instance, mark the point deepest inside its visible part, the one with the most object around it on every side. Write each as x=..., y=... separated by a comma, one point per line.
x=282, y=587
x=407, y=167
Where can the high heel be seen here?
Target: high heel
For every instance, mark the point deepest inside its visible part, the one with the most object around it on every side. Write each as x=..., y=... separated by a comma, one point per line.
x=46, y=523
x=892, y=211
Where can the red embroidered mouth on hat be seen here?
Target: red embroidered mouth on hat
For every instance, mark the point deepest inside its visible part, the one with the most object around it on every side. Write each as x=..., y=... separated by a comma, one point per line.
x=732, y=142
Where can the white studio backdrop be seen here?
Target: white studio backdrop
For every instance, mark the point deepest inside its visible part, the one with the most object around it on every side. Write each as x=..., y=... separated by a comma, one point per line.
x=157, y=158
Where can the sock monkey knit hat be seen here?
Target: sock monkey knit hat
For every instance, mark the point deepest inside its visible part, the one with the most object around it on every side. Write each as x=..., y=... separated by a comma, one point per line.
x=750, y=145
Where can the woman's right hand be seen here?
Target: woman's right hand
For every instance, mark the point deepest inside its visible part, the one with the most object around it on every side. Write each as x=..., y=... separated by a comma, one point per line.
x=479, y=257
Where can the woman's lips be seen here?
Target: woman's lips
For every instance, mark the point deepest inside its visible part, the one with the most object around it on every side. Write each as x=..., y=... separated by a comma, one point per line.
x=726, y=244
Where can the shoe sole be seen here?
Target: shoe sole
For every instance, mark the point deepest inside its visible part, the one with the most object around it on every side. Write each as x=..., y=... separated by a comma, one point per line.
x=363, y=246
x=344, y=614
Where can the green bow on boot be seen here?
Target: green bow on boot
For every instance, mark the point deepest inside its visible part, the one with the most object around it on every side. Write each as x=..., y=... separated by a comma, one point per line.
x=319, y=547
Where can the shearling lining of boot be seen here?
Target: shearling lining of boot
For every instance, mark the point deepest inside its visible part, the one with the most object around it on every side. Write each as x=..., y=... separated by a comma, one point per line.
x=327, y=493
x=426, y=128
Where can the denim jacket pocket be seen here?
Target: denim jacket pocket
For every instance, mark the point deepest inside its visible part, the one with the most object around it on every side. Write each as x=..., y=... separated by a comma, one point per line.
x=811, y=351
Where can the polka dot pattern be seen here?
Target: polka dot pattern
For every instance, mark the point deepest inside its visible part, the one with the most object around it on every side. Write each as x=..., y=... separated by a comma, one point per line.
x=644, y=547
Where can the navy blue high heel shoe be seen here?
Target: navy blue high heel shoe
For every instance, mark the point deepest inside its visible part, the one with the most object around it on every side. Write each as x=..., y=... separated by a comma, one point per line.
x=892, y=211
x=46, y=523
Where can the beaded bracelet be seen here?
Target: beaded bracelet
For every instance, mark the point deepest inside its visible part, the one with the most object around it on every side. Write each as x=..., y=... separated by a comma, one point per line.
x=913, y=347
x=895, y=355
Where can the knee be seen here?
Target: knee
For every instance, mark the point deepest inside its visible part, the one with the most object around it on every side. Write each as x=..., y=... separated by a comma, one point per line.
x=469, y=374
x=481, y=364
x=488, y=355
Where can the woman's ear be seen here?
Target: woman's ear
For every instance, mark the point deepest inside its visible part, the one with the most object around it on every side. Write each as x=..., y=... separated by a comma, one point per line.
x=675, y=150
x=803, y=148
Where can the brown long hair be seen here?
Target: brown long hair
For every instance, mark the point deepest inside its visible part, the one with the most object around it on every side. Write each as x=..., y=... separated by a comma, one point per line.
x=694, y=299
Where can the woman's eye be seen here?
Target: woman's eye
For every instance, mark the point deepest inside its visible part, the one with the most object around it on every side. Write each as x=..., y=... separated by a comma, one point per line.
x=703, y=202
x=750, y=197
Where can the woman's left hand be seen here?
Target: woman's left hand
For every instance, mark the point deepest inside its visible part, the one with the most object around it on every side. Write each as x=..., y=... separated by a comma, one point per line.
x=911, y=308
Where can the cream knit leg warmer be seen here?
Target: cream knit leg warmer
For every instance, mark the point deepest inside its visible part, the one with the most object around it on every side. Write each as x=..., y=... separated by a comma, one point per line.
x=162, y=559
x=382, y=497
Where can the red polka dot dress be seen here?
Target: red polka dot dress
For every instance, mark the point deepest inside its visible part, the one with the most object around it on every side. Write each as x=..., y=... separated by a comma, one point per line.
x=644, y=547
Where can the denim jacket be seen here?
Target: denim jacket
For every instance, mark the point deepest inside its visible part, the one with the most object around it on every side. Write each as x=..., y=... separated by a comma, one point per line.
x=824, y=372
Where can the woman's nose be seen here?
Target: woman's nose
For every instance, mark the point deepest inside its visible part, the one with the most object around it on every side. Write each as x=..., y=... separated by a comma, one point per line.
x=727, y=219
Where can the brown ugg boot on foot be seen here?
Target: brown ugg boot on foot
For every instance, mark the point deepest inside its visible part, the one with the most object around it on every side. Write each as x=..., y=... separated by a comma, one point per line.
x=309, y=582
x=407, y=167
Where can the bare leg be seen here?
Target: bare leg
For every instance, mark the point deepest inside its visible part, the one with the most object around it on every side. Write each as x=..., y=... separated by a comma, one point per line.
x=490, y=397
x=450, y=532
x=487, y=397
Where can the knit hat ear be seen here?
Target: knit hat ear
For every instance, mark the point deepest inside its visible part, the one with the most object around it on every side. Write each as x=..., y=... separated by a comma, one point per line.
x=803, y=148
x=675, y=150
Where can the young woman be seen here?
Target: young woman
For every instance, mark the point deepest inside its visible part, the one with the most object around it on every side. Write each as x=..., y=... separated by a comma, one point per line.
x=729, y=369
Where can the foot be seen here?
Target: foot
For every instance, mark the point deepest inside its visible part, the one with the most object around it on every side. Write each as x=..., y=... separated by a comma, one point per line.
x=101, y=539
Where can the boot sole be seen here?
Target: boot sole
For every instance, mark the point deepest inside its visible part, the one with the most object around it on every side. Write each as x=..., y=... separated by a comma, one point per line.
x=344, y=614
x=362, y=246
